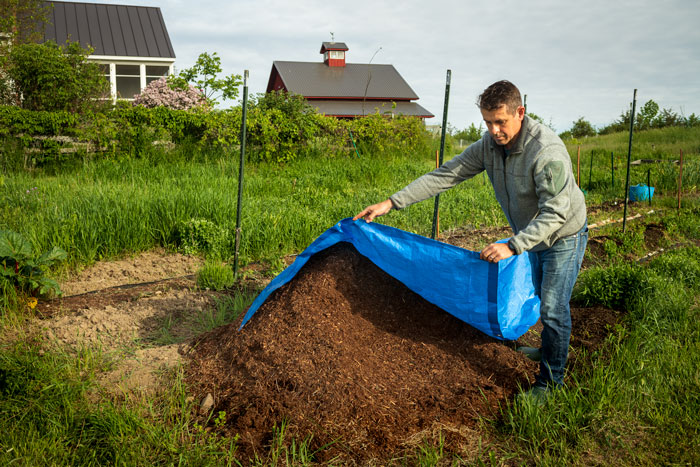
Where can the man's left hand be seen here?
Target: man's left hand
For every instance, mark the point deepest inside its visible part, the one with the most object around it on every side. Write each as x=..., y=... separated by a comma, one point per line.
x=496, y=252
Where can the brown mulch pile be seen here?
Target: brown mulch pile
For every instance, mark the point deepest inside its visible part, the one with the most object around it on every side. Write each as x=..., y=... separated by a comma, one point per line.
x=347, y=353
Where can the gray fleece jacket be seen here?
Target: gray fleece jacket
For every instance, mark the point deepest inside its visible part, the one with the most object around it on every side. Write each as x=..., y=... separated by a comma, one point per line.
x=534, y=185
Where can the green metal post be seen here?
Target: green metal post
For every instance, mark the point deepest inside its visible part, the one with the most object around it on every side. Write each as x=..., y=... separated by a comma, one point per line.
x=240, y=174
x=442, y=149
x=629, y=157
x=352, y=140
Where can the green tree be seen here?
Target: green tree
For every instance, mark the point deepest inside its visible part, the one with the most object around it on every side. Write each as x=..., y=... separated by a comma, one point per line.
x=582, y=128
x=49, y=77
x=19, y=20
x=692, y=120
x=471, y=133
x=666, y=118
x=646, y=115
x=204, y=74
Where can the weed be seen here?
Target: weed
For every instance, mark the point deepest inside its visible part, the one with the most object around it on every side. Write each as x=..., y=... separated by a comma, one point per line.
x=215, y=276
x=202, y=236
x=617, y=287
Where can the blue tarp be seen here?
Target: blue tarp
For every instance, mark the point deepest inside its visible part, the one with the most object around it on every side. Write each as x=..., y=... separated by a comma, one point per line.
x=498, y=299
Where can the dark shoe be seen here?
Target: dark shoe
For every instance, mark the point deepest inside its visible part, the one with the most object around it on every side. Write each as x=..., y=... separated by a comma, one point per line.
x=531, y=353
x=535, y=395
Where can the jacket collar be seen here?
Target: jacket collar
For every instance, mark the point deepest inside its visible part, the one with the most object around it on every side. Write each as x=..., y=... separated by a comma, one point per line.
x=519, y=145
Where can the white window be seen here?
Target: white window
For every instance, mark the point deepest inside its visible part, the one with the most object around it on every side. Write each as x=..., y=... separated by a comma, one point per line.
x=337, y=54
x=154, y=72
x=128, y=81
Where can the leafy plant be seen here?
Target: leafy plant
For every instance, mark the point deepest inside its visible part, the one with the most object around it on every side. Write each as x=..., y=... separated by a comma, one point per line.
x=202, y=236
x=617, y=287
x=51, y=77
x=24, y=270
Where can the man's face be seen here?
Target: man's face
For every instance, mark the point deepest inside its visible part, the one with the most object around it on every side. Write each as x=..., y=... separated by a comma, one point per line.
x=504, y=125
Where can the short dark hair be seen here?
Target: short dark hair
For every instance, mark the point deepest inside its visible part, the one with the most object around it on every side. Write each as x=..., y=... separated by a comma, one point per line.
x=498, y=94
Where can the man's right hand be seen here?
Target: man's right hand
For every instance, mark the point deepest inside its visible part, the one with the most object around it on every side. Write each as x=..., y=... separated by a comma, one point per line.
x=376, y=210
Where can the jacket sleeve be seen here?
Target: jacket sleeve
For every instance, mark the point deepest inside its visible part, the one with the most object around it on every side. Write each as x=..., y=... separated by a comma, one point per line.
x=458, y=169
x=554, y=185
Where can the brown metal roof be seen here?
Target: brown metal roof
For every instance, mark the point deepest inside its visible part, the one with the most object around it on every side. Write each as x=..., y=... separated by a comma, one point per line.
x=333, y=46
x=359, y=81
x=120, y=30
x=354, y=108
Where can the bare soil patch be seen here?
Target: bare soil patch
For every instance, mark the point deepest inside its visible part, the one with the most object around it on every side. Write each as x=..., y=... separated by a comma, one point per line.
x=145, y=267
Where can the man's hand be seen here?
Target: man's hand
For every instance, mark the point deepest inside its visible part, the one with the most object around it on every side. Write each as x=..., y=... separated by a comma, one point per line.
x=496, y=252
x=376, y=210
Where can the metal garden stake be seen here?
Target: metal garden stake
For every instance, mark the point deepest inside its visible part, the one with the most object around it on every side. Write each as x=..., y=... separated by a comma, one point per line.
x=240, y=173
x=442, y=148
x=680, y=180
x=629, y=156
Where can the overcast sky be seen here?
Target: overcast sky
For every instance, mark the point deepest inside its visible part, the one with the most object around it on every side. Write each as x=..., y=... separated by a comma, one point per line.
x=571, y=59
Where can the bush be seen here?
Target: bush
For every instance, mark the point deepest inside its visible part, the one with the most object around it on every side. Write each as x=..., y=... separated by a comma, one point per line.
x=682, y=266
x=202, y=236
x=618, y=287
x=160, y=93
x=49, y=77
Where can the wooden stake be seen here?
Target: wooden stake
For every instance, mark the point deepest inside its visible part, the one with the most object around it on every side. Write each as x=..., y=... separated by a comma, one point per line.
x=578, y=166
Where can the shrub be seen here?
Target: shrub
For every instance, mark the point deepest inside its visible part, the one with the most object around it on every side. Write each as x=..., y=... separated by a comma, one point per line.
x=682, y=266
x=160, y=93
x=49, y=77
x=202, y=236
x=215, y=276
x=618, y=287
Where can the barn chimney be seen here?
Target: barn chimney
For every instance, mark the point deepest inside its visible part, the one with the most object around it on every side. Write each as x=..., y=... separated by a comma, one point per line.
x=334, y=53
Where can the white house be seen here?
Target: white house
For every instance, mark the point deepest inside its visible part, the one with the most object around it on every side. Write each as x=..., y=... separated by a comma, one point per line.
x=130, y=42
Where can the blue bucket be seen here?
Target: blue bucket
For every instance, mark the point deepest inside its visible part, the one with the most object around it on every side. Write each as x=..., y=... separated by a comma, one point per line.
x=641, y=192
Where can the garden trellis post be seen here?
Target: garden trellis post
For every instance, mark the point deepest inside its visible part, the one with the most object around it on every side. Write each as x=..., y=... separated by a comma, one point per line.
x=629, y=157
x=442, y=148
x=240, y=173
x=680, y=180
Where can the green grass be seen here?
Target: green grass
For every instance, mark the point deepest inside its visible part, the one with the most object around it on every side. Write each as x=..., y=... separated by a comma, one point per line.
x=115, y=207
x=49, y=417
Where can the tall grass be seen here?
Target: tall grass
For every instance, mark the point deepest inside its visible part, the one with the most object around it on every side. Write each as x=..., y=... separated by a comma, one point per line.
x=113, y=207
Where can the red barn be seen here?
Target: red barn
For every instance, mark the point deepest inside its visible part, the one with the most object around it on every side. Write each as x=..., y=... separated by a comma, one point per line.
x=346, y=90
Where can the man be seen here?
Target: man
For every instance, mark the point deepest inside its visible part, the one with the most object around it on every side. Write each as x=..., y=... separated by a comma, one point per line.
x=531, y=174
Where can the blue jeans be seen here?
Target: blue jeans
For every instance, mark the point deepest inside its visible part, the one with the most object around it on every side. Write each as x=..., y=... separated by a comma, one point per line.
x=554, y=273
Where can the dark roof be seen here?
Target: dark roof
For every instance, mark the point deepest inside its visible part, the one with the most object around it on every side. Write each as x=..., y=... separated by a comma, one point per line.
x=353, y=108
x=333, y=46
x=318, y=80
x=120, y=30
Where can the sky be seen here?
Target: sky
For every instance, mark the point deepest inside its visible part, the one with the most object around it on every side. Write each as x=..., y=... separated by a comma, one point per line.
x=571, y=59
